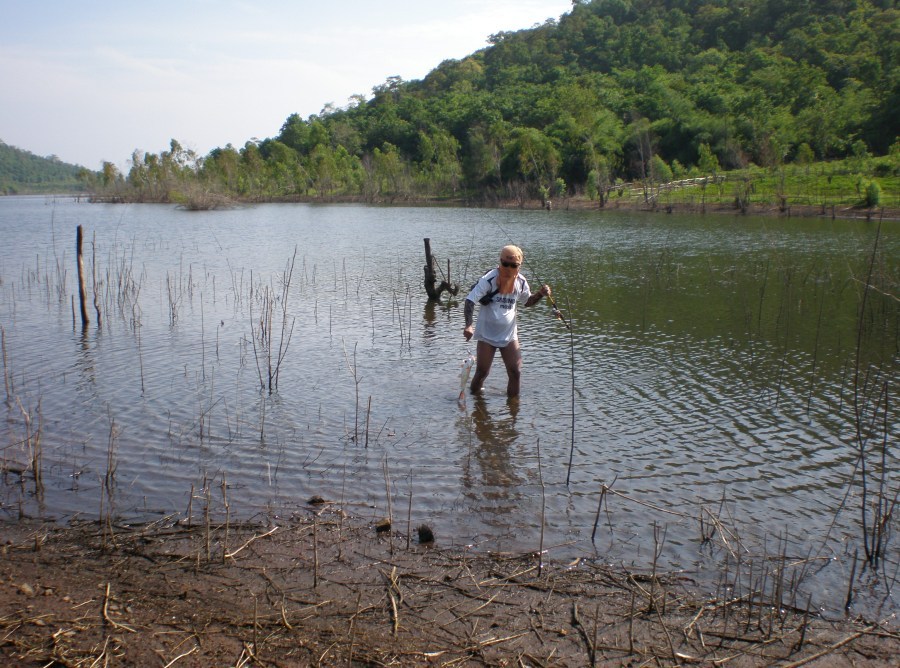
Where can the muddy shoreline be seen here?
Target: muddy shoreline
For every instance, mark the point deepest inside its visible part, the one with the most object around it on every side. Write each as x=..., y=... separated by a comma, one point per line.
x=324, y=588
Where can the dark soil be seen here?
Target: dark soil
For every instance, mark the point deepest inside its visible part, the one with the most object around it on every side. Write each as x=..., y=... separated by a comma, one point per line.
x=329, y=590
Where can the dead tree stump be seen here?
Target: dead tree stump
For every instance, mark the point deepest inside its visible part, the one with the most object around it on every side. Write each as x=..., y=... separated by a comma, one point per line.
x=82, y=290
x=432, y=287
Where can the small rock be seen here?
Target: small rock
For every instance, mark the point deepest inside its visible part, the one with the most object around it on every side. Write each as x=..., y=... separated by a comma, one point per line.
x=316, y=500
x=26, y=589
x=426, y=535
x=383, y=525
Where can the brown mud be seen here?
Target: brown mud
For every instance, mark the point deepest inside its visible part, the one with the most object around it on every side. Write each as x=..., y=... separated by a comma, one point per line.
x=324, y=589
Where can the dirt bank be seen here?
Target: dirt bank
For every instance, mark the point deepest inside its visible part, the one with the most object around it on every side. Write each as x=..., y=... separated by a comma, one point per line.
x=325, y=589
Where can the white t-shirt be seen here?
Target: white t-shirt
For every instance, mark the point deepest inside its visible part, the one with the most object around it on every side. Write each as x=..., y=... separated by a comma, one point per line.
x=496, y=323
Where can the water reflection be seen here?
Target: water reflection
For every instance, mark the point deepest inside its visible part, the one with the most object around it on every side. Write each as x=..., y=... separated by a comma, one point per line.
x=429, y=320
x=496, y=435
x=84, y=359
x=436, y=315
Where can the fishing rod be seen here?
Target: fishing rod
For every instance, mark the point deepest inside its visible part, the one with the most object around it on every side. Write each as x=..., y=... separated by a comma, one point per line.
x=558, y=314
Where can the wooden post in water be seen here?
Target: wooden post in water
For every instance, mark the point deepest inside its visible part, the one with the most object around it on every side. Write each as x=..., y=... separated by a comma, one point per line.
x=82, y=290
x=430, y=276
x=434, y=292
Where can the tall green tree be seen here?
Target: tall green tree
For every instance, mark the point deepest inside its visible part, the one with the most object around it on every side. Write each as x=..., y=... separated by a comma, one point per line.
x=530, y=159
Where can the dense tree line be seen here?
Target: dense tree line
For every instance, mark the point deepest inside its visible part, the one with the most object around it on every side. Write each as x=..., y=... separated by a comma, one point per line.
x=634, y=90
x=23, y=172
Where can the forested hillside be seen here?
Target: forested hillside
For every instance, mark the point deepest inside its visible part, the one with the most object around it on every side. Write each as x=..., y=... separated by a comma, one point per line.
x=22, y=172
x=616, y=90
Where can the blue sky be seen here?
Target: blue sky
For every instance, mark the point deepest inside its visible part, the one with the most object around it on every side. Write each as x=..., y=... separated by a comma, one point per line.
x=93, y=81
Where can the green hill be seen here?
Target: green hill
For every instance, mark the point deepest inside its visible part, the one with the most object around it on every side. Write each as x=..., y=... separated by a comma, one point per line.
x=615, y=91
x=22, y=172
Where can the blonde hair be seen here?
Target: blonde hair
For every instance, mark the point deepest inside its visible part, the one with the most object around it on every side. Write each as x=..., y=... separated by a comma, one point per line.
x=515, y=250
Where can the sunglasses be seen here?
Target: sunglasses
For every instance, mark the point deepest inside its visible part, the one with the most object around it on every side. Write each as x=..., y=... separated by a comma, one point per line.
x=514, y=265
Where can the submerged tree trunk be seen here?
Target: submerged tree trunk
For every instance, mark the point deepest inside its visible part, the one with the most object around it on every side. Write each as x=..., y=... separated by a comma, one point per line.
x=434, y=291
x=82, y=290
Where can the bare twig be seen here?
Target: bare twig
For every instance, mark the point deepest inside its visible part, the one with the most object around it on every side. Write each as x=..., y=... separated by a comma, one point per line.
x=251, y=541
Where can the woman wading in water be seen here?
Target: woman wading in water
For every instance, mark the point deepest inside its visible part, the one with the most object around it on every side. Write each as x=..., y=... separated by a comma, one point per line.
x=498, y=292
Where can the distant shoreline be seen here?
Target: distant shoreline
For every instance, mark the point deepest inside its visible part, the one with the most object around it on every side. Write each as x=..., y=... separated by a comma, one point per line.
x=834, y=212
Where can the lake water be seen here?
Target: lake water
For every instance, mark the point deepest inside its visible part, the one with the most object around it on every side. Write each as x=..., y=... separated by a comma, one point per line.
x=715, y=368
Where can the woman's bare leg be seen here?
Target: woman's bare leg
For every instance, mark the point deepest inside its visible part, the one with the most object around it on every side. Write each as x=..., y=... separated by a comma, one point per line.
x=484, y=357
x=512, y=357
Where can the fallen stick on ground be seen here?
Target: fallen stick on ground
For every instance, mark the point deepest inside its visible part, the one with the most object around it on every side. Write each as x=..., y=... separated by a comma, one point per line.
x=250, y=542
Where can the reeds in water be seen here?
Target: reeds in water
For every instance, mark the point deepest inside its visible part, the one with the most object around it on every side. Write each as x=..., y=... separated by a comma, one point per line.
x=269, y=357
x=871, y=409
x=32, y=442
x=7, y=377
x=107, y=484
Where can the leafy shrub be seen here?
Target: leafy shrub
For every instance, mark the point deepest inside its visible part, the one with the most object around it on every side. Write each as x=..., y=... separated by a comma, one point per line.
x=872, y=196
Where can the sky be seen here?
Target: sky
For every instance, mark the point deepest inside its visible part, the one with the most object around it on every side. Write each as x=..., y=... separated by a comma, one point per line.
x=95, y=80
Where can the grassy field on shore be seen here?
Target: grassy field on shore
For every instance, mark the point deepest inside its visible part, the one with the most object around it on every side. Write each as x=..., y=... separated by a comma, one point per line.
x=858, y=188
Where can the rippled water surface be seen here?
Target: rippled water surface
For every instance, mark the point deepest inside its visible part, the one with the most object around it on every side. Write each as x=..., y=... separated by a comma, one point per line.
x=711, y=371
